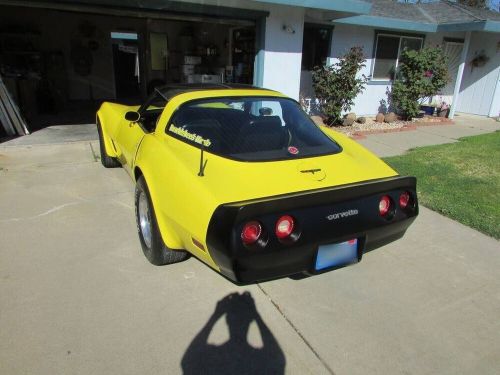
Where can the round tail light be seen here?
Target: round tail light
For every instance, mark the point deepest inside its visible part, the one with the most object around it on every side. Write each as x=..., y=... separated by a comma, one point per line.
x=284, y=227
x=251, y=232
x=384, y=205
x=404, y=199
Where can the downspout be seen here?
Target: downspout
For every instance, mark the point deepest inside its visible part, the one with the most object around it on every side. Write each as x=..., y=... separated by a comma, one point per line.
x=460, y=74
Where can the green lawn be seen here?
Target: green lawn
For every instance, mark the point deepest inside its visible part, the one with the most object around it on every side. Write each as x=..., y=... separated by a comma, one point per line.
x=460, y=180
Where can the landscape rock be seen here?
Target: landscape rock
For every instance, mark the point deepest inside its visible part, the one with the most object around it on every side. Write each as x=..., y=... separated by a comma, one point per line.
x=348, y=121
x=390, y=117
x=380, y=117
x=351, y=115
x=361, y=120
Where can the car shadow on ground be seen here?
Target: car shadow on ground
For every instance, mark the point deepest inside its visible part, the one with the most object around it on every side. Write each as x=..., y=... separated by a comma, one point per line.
x=236, y=355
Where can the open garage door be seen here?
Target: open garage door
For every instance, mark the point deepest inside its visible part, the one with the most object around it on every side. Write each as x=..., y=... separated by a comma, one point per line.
x=60, y=60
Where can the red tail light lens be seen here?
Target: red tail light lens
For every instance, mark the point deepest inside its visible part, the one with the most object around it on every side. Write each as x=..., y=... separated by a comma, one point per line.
x=284, y=227
x=404, y=199
x=251, y=232
x=384, y=205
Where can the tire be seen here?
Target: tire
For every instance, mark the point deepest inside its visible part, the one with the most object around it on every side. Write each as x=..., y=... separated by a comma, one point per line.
x=152, y=244
x=106, y=160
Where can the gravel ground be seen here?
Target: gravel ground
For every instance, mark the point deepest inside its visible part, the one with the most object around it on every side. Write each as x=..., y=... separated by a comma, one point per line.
x=372, y=126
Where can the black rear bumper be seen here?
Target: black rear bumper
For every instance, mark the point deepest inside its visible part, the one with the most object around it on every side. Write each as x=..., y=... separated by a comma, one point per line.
x=324, y=216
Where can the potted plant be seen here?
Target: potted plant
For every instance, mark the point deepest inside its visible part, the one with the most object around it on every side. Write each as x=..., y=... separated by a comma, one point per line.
x=444, y=110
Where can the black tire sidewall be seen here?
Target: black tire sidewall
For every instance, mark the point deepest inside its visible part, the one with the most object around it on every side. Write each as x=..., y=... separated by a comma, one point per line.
x=158, y=254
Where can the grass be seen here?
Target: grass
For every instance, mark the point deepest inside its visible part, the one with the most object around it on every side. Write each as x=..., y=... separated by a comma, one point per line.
x=460, y=180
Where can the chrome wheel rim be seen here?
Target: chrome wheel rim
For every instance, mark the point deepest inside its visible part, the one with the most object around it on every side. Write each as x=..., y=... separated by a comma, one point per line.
x=145, y=219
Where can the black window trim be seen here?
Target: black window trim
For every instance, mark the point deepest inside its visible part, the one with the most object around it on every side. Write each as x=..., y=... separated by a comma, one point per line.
x=398, y=34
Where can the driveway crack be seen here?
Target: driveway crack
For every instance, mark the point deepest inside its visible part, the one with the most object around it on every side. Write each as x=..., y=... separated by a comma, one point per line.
x=297, y=331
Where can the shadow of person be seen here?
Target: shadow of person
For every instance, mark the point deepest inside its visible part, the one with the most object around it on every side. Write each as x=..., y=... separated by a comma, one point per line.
x=236, y=355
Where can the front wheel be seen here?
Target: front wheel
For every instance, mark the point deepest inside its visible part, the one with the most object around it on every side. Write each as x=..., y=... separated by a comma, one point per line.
x=152, y=244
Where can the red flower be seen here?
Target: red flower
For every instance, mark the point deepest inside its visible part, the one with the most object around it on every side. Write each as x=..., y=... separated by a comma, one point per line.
x=428, y=74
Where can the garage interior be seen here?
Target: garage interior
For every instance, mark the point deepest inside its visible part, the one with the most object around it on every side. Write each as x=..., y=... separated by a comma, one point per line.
x=59, y=65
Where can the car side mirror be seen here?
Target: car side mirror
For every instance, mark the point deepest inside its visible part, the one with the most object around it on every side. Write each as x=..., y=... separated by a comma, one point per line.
x=132, y=116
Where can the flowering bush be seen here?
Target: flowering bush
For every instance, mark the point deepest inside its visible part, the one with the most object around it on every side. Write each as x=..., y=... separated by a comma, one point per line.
x=421, y=74
x=336, y=86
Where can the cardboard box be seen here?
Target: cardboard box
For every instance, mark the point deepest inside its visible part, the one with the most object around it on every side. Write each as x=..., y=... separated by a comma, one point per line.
x=187, y=69
x=192, y=60
x=204, y=78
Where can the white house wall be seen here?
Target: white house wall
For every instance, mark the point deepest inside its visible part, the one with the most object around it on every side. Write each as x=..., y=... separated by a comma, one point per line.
x=477, y=92
x=283, y=50
x=344, y=37
x=375, y=93
x=495, y=104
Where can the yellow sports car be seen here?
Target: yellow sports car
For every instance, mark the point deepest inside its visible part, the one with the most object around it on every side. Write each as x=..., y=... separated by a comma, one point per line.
x=241, y=178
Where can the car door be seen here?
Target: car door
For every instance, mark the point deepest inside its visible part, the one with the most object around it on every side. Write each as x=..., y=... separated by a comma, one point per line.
x=130, y=134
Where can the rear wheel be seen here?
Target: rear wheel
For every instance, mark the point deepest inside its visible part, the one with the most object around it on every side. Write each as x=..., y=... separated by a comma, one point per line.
x=107, y=161
x=152, y=244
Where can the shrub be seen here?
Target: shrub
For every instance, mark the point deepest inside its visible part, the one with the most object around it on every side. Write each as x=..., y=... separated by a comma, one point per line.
x=336, y=86
x=420, y=74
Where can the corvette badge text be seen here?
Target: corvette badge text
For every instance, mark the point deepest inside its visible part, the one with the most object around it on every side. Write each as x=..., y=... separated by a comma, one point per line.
x=191, y=136
x=340, y=215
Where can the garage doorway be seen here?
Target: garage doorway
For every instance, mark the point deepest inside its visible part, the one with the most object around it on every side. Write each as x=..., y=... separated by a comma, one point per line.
x=60, y=64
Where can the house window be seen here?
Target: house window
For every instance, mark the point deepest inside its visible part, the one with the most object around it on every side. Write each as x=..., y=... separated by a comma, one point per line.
x=388, y=50
x=315, y=46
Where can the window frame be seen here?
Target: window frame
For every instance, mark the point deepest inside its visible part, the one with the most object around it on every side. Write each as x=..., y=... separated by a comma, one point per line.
x=393, y=35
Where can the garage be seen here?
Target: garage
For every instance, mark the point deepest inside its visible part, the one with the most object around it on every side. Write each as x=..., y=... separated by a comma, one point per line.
x=60, y=60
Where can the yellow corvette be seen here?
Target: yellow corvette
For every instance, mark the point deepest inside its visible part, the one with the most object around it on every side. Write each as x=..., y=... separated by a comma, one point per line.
x=241, y=178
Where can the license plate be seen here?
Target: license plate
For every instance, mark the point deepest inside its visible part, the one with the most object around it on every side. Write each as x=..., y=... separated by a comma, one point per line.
x=337, y=255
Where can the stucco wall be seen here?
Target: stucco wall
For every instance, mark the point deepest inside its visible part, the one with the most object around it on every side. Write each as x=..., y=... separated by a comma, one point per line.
x=344, y=37
x=283, y=50
x=477, y=92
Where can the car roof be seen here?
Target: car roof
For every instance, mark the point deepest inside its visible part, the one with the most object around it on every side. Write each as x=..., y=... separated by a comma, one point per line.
x=170, y=91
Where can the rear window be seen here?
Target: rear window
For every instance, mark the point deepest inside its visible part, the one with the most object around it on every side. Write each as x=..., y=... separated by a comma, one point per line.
x=250, y=129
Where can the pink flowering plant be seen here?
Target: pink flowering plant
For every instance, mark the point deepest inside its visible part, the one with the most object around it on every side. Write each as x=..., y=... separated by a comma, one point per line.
x=421, y=74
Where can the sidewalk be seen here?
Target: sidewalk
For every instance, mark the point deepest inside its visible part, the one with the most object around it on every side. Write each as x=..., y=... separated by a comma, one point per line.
x=390, y=144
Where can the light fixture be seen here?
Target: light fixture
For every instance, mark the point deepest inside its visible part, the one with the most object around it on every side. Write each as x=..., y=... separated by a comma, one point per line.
x=288, y=29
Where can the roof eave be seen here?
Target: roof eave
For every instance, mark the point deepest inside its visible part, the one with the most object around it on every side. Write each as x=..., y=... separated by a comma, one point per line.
x=352, y=6
x=487, y=25
x=388, y=23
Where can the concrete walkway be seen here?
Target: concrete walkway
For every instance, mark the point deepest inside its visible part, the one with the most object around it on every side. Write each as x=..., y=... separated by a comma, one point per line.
x=78, y=297
x=390, y=144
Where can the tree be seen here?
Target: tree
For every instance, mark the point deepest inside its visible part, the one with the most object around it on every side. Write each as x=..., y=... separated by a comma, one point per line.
x=336, y=86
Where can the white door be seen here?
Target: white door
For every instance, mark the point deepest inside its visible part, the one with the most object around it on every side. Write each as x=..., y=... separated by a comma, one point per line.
x=453, y=51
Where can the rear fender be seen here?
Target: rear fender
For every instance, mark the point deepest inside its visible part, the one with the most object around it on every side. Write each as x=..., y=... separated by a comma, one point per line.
x=169, y=236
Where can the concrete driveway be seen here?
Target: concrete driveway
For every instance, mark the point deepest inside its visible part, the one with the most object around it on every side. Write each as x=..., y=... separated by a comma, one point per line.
x=78, y=297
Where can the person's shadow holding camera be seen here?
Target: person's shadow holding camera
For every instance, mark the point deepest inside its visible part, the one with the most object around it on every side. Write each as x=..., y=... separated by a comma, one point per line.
x=235, y=356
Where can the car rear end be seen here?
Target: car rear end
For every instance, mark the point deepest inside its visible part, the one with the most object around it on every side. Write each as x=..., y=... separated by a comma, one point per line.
x=309, y=232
